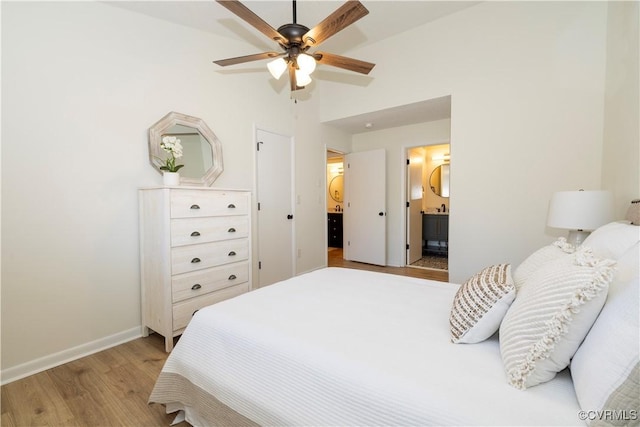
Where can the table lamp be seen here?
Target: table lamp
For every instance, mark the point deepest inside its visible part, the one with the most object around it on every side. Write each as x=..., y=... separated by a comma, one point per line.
x=580, y=212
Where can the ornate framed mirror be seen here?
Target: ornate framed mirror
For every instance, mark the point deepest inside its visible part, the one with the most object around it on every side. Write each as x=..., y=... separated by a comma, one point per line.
x=202, y=151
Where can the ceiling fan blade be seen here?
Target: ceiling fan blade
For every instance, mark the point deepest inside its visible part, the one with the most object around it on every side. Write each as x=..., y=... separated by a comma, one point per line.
x=247, y=58
x=248, y=16
x=341, y=18
x=351, y=64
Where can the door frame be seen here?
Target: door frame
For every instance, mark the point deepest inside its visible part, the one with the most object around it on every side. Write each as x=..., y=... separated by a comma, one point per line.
x=325, y=200
x=405, y=188
x=409, y=212
x=254, y=203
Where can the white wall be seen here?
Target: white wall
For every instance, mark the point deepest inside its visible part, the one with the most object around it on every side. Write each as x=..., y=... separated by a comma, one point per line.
x=81, y=84
x=395, y=141
x=311, y=213
x=621, y=156
x=527, y=87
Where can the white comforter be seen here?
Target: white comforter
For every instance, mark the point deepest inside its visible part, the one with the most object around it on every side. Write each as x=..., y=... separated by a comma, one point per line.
x=342, y=347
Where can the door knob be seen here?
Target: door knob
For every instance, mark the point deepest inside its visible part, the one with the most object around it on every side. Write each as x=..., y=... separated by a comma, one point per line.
x=289, y=216
x=381, y=213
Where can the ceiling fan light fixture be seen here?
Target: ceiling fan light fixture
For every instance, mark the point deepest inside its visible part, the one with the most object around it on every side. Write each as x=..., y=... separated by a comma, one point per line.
x=302, y=78
x=277, y=67
x=306, y=63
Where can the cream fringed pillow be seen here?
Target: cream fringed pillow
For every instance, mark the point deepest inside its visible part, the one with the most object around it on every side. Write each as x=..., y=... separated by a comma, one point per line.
x=481, y=303
x=551, y=316
x=558, y=249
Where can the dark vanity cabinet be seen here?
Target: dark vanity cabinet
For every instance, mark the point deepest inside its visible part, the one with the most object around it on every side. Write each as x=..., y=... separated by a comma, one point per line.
x=435, y=233
x=335, y=230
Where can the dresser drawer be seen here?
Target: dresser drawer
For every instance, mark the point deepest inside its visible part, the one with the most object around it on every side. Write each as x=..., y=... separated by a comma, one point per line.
x=184, y=311
x=187, y=231
x=189, y=285
x=197, y=257
x=196, y=203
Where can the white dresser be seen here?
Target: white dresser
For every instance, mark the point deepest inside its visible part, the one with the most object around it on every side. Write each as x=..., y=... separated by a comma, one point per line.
x=195, y=251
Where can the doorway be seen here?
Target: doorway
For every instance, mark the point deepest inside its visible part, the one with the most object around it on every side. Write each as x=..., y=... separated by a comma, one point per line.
x=428, y=195
x=335, y=204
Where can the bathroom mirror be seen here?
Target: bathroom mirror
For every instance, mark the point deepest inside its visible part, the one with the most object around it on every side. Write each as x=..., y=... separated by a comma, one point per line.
x=439, y=180
x=202, y=151
x=335, y=188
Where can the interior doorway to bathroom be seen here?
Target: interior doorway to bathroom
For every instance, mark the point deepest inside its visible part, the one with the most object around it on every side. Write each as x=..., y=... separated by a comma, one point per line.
x=335, y=203
x=428, y=195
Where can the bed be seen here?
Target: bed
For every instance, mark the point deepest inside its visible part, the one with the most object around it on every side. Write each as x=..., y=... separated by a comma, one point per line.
x=344, y=347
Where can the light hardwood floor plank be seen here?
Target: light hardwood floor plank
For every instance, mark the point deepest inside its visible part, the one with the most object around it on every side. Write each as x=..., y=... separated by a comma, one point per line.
x=35, y=401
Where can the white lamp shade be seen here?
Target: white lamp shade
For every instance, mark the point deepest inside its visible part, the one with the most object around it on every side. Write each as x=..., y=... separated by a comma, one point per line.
x=580, y=210
x=302, y=79
x=306, y=63
x=277, y=67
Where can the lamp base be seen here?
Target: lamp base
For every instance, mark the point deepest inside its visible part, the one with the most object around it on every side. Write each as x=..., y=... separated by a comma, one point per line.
x=576, y=237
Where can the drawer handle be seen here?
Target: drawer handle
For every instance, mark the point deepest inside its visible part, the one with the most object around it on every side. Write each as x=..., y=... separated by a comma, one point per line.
x=231, y=206
x=232, y=253
x=195, y=260
x=194, y=207
x=232, y=277
x=195, y=234
x=194, y=313
x=196, y=287
x=231, y=230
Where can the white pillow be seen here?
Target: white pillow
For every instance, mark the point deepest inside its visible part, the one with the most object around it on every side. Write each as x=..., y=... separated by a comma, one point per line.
x=533, y=262
x=605, y=369
x=481, y=303
x=551, y=315
x=613, y=239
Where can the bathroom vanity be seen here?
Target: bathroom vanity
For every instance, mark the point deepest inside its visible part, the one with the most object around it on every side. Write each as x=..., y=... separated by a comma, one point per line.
x=435, y=233
x=335, y=229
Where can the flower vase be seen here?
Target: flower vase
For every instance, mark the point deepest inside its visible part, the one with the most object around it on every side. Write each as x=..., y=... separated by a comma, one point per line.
x=171, y=179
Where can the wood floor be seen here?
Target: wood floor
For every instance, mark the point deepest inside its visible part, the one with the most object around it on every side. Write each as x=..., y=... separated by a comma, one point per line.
x=112, y=387
x=109, y=388
x=335, y=260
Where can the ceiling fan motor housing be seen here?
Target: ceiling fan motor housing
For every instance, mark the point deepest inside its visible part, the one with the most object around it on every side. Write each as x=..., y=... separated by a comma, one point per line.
x=293, y=33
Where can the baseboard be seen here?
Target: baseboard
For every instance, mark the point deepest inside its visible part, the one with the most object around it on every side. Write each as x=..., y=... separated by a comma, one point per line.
x=47, y=362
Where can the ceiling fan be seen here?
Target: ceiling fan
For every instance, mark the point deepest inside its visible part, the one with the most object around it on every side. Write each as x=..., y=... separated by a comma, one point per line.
x=296, y=40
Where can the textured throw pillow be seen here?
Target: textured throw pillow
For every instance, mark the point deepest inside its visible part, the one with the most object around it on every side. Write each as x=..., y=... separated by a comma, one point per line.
x=606, y=367
x=481, y=303
x=533, y=262
x=551, y=316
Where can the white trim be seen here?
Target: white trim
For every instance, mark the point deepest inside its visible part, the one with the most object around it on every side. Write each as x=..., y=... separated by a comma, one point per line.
x=47, y=362
x=404, y=190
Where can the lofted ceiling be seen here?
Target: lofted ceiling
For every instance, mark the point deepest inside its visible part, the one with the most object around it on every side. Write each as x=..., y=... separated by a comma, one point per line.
x=386, y=18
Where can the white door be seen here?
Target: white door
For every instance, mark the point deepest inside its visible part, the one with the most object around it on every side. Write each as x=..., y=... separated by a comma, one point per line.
x=414, y=215
x=274, y=194
x=365, y=207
